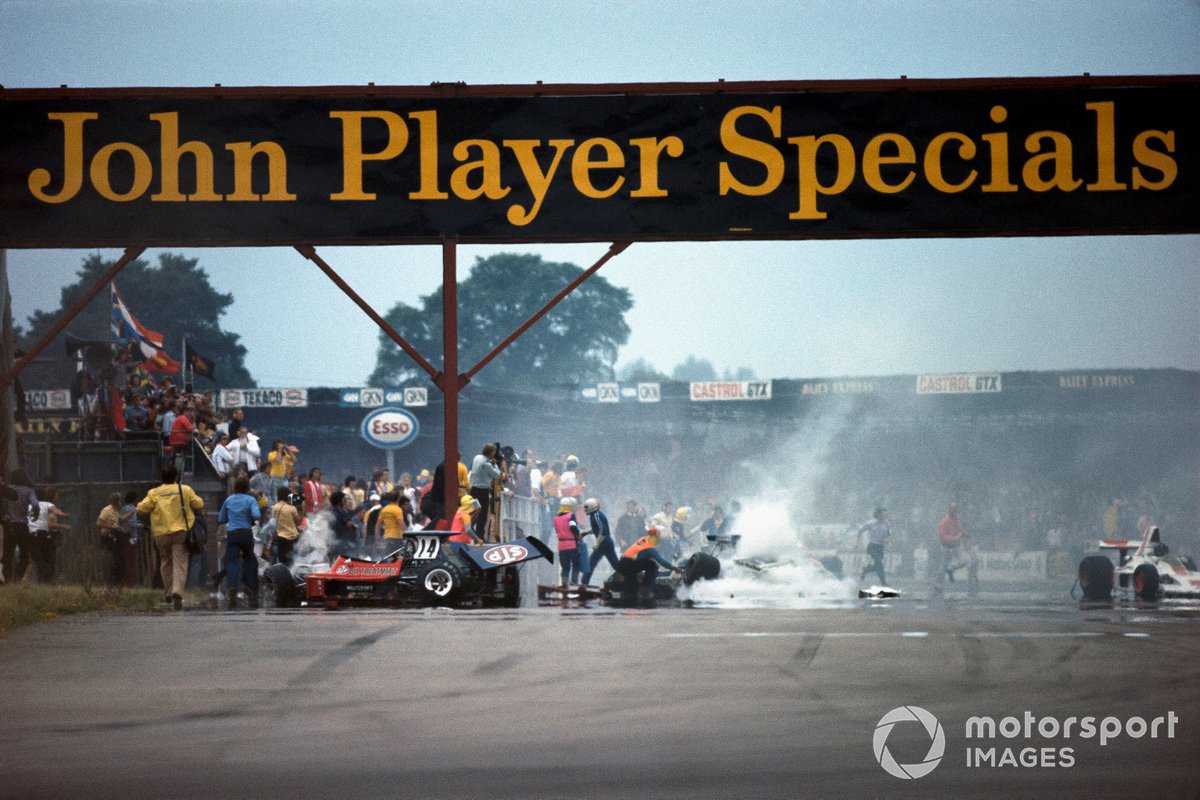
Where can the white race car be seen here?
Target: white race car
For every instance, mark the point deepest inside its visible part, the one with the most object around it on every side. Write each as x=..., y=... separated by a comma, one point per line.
x=1143, y=569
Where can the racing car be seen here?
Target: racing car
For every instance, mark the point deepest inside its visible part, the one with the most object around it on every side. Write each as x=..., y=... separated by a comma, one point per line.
x=618, y=593
x=425, y=571
x=1149, y=572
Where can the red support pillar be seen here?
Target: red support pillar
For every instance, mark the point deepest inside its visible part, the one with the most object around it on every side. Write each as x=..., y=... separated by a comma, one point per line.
x=451, y=382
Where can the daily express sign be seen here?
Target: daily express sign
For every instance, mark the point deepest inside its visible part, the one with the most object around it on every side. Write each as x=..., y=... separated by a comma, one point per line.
x=280, y=166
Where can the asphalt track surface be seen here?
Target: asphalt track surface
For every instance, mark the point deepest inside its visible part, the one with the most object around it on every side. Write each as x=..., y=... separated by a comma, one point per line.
x=598, y=703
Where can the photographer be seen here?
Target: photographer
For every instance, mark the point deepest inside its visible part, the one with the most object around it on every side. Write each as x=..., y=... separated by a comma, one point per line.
x=484, y=469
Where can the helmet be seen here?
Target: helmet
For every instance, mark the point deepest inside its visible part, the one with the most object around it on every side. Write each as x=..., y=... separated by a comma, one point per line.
x=572, y=462
x=652, y=532
x=467, y=500
x=591, y=505
x=566, y=504
x=681, y=513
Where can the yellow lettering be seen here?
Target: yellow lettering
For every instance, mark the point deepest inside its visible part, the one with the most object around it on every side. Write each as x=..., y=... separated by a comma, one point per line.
x=752, y=149
x=650, y=151
x=1058, y=159
x=142, y=172
x=933, y=162
x=427, y=131
x=873, y=159
x=243, y=159
x=582, y=165
x=39, y=179
x=1106, y=149
x=1150, y=158
x=353, y=154
x=998, y=143
x=171, y=150
x=809, y=182
x=488, y=167
x=538, y=181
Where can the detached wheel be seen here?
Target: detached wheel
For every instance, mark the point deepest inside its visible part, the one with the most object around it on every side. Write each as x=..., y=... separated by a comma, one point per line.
x=1145, y=582
x=1096, y=578
x=281, y=585
x=701, y=566
x=440, y=583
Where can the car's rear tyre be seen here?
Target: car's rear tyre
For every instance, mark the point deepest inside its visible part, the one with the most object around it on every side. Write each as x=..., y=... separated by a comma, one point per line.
x=1145, y=582
x=1096, y=578
x=701, y=566
x=281, y=586
x=440, y=583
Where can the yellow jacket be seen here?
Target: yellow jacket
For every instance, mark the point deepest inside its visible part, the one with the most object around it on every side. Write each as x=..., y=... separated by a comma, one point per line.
x=164, y=505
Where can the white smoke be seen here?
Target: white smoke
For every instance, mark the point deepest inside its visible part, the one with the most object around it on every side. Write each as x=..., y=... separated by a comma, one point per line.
x=316, y=540
x=781, y=497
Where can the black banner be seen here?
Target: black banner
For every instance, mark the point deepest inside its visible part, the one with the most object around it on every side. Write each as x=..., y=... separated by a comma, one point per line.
x=258, y=168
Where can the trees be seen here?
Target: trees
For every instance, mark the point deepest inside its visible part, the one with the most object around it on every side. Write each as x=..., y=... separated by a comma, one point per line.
x=174, y=298
x=576, y=342
x=694, y=369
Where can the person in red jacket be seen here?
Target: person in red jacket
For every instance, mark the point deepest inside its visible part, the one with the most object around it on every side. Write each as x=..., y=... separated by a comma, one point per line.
x=180, y=437
x=950, y=535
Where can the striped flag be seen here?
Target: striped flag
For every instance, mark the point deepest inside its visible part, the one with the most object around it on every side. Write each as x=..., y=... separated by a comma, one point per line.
x=125, y=327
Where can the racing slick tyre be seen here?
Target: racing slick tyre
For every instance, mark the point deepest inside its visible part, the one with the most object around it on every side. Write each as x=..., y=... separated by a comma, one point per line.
x=440, y=583
x=281, y=585
x=1145, y=582
x=1096, y=578
x=701, y=566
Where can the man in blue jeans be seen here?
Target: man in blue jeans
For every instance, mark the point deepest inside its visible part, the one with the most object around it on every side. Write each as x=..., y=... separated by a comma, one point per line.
x=238, y=514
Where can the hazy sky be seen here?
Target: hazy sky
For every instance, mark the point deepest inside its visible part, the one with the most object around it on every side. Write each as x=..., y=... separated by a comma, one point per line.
x=784, y=309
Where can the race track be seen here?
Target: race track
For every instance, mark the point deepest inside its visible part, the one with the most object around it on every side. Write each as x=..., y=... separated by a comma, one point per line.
x=596, y=703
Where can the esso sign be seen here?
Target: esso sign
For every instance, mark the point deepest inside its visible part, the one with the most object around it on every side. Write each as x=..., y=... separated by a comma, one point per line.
x=390, y=427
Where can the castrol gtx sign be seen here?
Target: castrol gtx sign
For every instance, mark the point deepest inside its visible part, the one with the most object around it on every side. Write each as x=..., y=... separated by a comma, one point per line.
x=390, y=427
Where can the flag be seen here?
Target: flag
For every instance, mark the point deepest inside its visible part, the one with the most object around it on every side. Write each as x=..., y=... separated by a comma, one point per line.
x=199, y=364
x=125, y=327
x=159, y=362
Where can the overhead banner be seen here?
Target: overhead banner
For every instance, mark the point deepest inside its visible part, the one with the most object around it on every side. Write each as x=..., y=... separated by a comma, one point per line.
x=271, y=166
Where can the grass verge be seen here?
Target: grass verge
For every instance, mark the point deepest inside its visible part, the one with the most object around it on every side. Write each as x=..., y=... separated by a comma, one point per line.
x=26, y=603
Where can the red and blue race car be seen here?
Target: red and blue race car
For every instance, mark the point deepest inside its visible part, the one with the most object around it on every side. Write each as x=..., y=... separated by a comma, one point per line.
x=424, y=571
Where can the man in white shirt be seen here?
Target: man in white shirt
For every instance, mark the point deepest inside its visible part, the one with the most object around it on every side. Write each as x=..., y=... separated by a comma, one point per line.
x=245, y=450
x=221, y=457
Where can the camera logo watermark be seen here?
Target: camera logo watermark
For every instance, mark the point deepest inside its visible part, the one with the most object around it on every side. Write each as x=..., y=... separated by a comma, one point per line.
x=937, y=745
x=1025, y=741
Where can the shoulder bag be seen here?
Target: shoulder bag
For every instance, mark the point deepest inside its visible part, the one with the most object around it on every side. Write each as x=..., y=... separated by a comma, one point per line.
x=197, y=533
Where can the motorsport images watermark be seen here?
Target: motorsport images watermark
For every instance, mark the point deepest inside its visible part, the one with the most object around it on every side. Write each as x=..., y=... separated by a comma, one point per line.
x=988, y=739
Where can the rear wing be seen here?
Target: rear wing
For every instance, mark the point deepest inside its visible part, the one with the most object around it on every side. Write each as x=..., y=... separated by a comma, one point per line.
x=493, y=556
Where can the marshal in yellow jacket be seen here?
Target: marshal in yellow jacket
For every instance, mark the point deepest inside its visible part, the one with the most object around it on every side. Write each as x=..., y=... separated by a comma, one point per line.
x=165, y=505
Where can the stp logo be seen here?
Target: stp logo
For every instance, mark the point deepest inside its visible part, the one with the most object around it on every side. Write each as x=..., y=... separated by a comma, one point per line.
x=390, y=427
x=506, y=554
